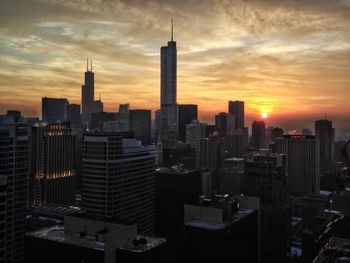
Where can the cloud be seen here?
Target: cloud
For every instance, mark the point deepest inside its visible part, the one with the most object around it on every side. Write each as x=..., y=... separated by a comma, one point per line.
x=290, y=56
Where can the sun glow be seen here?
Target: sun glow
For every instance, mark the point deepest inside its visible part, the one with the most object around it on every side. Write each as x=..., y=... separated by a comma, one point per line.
x=264, y=115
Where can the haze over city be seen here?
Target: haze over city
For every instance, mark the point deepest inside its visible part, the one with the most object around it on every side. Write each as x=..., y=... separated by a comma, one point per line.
x=285, y=60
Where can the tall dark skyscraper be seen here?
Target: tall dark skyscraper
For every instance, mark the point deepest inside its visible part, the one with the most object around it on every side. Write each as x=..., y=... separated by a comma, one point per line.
x=236, y=108
x=168, y=92
x=187, y=113
x=324, y=133
x=52, y=176
x=74, y=114
x=13, y=190
x=118, y=179
x=265, y=177
x=140, y=124
x=225, y=123
x=88, y=94
x=54, y=110
x=258, y=139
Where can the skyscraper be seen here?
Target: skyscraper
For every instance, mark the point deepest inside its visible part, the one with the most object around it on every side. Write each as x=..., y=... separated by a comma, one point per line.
x=140, y=124
x=13, y=190
x=258, y=139
x=88, y=94
x=118, y=179
x=187, y=113
x=54, y=110
x=324, y=133
x=236, y=108
x=52, y=176
x=265, y=177
x=74, y=114
x=195, y=131
x=225, y=124
x=302, y=163
x=168, y=92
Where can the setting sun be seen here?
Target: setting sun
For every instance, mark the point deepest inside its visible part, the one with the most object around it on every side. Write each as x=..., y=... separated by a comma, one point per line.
x=264, y=115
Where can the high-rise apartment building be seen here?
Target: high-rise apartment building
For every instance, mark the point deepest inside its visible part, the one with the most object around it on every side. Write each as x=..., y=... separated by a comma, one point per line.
x=13, y=190
x=195, y=131
x=225, y=123
x=74, y=114
x=302, y=163
x=118, y=179
x=258, y=139
x=52, y=176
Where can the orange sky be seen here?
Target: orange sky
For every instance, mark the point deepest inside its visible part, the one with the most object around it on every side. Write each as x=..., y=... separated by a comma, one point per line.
x=290, y=59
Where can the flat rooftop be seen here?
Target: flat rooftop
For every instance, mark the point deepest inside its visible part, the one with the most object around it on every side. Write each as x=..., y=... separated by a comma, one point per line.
x=236, y=217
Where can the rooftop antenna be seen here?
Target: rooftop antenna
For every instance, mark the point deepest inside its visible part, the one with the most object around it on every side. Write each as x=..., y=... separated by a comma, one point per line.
x=87, y=64
x=91, y=64
x=172, y=29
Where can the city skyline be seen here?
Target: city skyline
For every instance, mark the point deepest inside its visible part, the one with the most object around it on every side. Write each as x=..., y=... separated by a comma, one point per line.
x=291, y=65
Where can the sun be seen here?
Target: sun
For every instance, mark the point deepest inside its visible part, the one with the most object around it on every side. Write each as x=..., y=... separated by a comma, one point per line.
x=264, y=115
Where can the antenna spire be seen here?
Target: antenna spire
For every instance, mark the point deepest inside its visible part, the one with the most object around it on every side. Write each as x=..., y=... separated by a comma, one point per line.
x=172, y=29
x=91, y=64
x=87, y=64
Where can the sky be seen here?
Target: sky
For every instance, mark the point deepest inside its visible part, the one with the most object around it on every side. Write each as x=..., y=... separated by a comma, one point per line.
x=288, y=59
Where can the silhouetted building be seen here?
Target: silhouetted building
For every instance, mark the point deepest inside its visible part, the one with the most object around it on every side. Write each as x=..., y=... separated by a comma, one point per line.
x=52, y=176
x=236, y=108
x=219, y=231
x=180, y=154
x=302, y=163
x=157, y=124
x=236, y=144
x=74, y=114
x=195, y=131
x=88, y=95
x=168, y=93
x=98, y=106
x=99, y=118
x=54, y=110
x=265, y=177
x=258, y=139
x=324, y=133
x=118, y=179
x=187, y=113
x=175, y=188
x=140, y=125
x=276, y=133
x=225, y=123
x=13, y=190
x=231, y=175
x=306, y=131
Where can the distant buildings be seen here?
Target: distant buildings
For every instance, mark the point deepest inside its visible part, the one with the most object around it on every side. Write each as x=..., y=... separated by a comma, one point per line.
x=13, y=190
x=258, y=139
x=140, y=125
x=74, y=114
x=225, y=123
x=187, y=113
x=54, y=110
x=118, y=179
x=88, y=95
x=52, y=175
x=236, y=108
x=195, y=131
x=324, y=133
